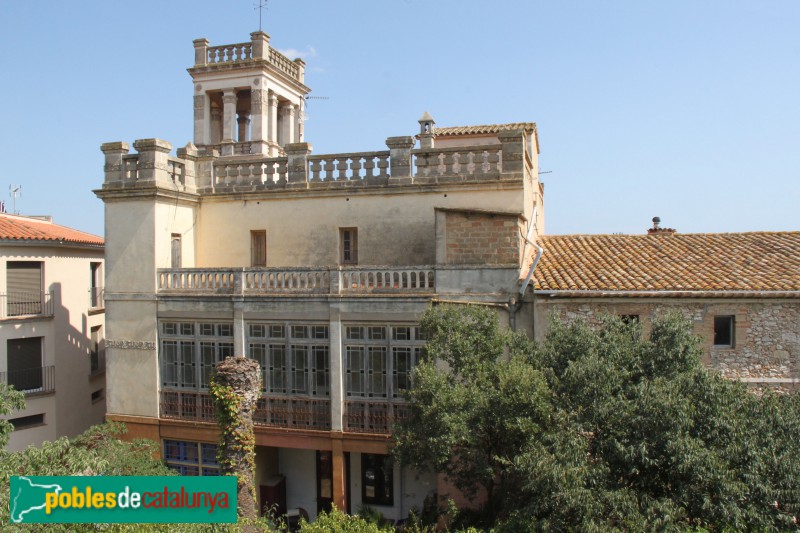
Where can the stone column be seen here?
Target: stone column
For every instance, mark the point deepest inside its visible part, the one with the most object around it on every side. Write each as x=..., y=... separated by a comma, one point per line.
x=236, y=389
x=258, y=132
x=272, y=122
x=400, y=159
x=215, y=136
x=200, y=126
x=243, y=121
x=337, y=370
x=513, y=151
x=200, y=52
x=287, y=114
x=115, y=173
x=339, y=474
x=153, y=162
x=228, y=114
x=298, y=123
x=297, y=171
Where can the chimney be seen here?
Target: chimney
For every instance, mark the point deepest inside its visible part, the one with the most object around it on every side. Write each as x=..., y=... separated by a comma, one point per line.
x=658, y=230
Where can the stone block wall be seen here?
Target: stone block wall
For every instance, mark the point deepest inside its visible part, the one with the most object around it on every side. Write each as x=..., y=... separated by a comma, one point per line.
x=766, y=345
x=474, y=238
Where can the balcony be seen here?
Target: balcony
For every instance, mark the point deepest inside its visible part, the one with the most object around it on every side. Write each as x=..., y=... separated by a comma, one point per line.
x=96, y=297
x=31, y=381
x=97, y=362
x=25, y=304
x=373, y=417
x=273, y=411
x=258, y=281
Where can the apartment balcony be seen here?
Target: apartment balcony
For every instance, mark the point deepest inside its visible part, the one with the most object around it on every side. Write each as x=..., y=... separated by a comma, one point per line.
x=31, y=381
x=26, y=304
x=97, y=297
x=302, y=413
x=97, y=363
x=258, y=281
x=271, y=411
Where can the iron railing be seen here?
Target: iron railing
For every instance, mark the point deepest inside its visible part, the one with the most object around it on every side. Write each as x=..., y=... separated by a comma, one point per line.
x=14, y=304
x=97, y=362
x=39, y=380
x=96, y=297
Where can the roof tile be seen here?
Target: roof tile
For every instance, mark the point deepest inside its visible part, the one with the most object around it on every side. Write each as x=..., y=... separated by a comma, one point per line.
x=17, y=228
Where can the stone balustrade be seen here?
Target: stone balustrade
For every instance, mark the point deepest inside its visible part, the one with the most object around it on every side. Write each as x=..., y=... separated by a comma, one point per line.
x=206, y=172
x=349, y=167
x=256, y=280
x=284, y=64
x=230, y=53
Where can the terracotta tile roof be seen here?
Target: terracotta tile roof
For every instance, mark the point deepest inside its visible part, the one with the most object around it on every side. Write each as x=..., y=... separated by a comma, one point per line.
x=18, y=228
x=726, y=264
x=484, y=129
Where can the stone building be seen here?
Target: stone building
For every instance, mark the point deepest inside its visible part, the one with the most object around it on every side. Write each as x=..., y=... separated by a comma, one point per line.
x=51, y=327
x=319, y=266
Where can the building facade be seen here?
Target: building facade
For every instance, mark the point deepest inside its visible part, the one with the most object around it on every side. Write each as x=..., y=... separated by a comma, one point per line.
x=51, y=327
x=319, y=267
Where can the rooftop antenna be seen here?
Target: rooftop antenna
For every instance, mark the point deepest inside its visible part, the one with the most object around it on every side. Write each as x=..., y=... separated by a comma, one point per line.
x=13, y=192
x=261, y=6
x=306, y=97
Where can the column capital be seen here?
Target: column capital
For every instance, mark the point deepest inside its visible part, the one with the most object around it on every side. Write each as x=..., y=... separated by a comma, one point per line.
x=272, y=99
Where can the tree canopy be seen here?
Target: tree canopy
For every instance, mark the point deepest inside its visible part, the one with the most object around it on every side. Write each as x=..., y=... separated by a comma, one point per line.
x=598, y=428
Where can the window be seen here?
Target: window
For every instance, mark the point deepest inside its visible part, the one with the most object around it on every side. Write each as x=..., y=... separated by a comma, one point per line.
x=96, y=286
x=95, y=357
x=24, y=422
x=24, y=362
x=97, y=395
x=377, y=479
x=190, y=350
x=294, y=358
x=191, y=458
x=24, y=287
x=379, y=359
x=258, y=248
x=723, y=331
x=348, y=243
x=176, y=250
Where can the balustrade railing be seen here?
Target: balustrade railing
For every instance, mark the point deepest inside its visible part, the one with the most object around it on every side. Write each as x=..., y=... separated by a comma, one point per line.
x=348, y=167
x=262, y=173
x=17, y=304
x=230, y=53
x=38, y=380
x=274, y=411
x=281, y=62
x=373, y=417
x=463, y=161
x=259, y=280
x=387, y=279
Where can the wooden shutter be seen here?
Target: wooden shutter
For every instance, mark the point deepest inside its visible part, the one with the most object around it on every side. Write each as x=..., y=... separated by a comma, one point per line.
x=258, y=248
x=24, y=287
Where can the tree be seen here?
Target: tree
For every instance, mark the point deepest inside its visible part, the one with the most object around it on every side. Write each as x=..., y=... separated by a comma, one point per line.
x=599, y=428
x=10, y=401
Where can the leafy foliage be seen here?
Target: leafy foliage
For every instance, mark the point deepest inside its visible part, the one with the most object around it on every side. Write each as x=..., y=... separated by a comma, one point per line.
x=598, y=428
x=10, y=400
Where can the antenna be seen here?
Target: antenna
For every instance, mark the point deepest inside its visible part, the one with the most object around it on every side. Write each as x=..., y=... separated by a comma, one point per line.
x=14, y=191
x=261, y=6
x=306, y=97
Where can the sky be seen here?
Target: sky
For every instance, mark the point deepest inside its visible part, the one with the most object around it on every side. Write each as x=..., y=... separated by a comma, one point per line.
x=687, y=109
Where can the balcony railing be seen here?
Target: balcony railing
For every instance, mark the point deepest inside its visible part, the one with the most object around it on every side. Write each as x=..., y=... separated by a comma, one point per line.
x=96, y=297
x=373, y=417
x=14, y=304
x=384, y=280
x=274, y=411
x=40, y=380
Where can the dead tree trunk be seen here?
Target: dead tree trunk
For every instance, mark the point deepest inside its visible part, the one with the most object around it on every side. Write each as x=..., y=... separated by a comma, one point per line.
x=236, y=387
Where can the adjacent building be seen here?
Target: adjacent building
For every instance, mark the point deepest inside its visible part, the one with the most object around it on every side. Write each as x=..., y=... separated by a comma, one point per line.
x=51, y=327
x=245, y=242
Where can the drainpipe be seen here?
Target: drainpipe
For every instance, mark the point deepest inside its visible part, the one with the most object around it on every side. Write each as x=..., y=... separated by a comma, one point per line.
x=539, y=252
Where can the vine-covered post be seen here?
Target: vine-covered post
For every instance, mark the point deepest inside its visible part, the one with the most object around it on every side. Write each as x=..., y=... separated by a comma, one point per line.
x=236, y=387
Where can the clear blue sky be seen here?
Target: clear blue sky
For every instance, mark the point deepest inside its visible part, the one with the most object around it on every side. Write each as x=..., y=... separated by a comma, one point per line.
x=684, y=109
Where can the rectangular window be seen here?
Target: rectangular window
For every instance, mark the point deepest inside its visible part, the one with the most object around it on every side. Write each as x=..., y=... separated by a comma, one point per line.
x=95, y=356
x=97, y=395
x=189, y=351
x=377, y=479
x=96, y=285
x=191, y=458
x=24, y=363
x=24, y=422
x=176, y=251
x=348, y=244
x=723, y=331
x=258, y=248
x=24, y=288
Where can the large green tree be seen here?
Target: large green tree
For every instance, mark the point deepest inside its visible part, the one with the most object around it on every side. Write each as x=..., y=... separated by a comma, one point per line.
x=599, y=428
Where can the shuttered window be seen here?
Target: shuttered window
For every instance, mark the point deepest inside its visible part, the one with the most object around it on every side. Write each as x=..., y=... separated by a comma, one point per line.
x=258, y=248
x=25, y=363
x=24, y=287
